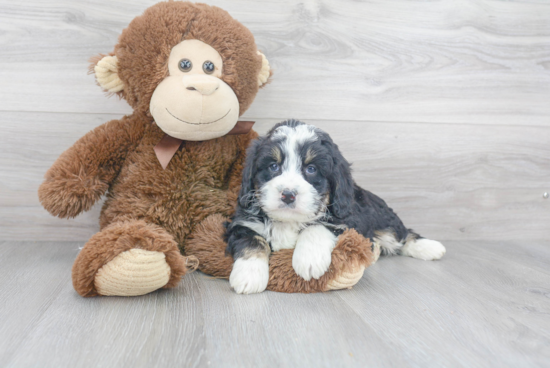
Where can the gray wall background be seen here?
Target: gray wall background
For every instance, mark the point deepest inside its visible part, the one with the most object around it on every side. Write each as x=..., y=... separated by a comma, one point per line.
x=442, y=106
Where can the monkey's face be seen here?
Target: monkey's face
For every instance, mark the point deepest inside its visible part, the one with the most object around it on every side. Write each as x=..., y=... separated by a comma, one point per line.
x=192, y=102
x=193, y=89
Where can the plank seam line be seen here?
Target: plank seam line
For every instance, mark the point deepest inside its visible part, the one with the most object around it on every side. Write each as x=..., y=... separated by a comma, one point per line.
x=115, y=115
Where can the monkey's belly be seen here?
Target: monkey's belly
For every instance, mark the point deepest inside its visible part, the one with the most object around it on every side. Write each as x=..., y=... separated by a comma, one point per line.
x=178, y=209
x=192, y=187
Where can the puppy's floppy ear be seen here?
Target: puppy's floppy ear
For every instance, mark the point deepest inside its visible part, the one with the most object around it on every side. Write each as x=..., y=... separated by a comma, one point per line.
x=247, y=185
x=341, y=182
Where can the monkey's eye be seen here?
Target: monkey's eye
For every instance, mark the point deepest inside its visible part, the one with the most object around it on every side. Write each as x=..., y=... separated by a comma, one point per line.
x=185, y=65
x=208, y=67
x=311, y=169
x=274, y=167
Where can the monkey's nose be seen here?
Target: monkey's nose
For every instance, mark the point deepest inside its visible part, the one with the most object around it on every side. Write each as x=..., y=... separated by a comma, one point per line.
x=287, y=196
x=202, y=84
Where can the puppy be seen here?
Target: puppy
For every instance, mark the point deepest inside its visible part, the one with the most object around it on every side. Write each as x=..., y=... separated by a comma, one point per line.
x=297, y=192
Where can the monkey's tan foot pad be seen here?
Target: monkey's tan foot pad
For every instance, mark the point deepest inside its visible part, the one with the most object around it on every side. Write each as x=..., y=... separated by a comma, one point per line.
x=129, y=258
x=134, y=272
x=346, y=279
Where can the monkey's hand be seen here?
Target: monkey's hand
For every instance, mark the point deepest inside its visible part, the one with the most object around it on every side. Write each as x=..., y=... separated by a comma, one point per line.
x=69, y=189
x=82, y=174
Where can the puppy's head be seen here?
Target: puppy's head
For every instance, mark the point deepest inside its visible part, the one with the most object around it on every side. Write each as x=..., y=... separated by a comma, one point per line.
x=296, y=173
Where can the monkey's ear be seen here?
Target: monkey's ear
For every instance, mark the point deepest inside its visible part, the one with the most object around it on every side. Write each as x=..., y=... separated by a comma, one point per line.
x=265, y=72
x=105, y=69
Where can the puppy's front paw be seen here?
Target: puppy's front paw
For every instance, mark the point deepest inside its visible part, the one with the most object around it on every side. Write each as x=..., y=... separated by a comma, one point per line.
x=311, y=264
x=249, y=275
x=313, y=252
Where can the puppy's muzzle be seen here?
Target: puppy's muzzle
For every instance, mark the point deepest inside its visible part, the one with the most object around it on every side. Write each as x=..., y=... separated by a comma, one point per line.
x=288, y=197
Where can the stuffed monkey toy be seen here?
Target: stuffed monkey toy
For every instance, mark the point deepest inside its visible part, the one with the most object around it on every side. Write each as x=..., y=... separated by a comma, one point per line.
x=171, y=170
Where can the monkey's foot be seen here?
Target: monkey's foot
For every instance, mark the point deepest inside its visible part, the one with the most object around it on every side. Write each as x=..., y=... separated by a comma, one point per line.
x=351, y=276
x=346, y=279
x=352, y=254
x=128, y=259
x=134, y=272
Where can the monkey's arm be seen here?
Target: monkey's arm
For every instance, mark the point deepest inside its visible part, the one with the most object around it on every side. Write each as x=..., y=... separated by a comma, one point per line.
x=82, y=174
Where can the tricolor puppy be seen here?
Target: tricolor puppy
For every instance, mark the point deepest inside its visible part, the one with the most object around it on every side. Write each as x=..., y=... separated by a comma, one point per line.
x=297, y=192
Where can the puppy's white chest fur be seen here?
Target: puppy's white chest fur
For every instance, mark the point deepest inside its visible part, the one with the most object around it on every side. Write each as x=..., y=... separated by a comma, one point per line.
x=283, y=235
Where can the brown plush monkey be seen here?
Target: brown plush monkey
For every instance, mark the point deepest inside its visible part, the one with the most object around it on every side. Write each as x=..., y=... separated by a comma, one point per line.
x=170, y=170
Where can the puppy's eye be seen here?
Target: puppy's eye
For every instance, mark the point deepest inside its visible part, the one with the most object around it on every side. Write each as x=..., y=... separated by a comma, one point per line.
x=274, y=167
x=311, y=169
x=208, y=67
x=185, y=65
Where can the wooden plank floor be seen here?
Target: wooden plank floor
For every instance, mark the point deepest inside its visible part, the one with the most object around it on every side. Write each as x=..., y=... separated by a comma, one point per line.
x=485, y=304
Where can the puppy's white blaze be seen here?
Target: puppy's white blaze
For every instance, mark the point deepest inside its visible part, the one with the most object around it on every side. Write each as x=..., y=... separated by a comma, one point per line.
x=387, y=242
x=295, y=137
x=313, y=252
x=307, y=198
x=249, y=275
x=299, y=134
x=425, y=249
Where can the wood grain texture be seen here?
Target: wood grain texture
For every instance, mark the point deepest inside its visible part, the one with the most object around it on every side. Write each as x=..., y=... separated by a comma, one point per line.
x=447, y=181
x=484, y=304
x=309, y=334
x=482, y=62
x=471, y=296
x=32, y=275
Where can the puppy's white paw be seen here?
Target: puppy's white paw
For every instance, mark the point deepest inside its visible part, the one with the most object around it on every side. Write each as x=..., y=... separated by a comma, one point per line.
x=425, y=249
x=313, y=252
x=249, y=275
x=311, y=264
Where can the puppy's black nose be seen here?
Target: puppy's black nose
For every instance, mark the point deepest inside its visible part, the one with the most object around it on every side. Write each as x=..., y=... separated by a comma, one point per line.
x=288, y=197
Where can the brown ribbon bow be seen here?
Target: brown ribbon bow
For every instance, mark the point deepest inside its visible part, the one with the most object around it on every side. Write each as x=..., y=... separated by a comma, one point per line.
x=168, y=146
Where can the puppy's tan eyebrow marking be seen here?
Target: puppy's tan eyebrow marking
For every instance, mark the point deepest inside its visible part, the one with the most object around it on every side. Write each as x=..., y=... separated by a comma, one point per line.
x=276, y=154
x=310, y=155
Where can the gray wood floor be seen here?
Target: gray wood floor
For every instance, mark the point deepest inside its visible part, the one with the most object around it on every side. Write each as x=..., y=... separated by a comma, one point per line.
x=486, y=304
